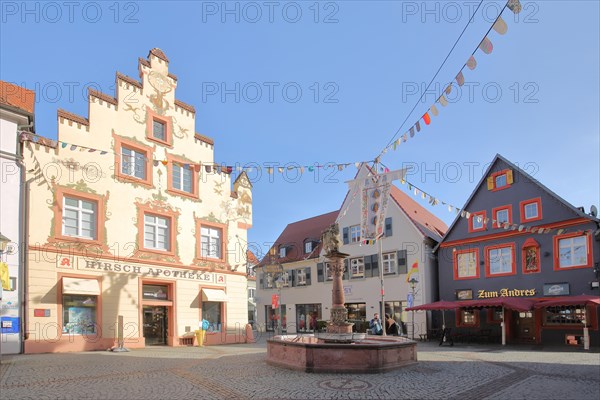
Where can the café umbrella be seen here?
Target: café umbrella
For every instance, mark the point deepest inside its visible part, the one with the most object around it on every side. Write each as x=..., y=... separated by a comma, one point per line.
x=437, y=305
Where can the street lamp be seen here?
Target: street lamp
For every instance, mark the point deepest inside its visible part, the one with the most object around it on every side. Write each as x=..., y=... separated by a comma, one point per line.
x=413, y=283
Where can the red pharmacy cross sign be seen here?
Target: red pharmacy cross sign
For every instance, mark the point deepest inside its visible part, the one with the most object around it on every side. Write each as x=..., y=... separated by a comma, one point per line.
x=274, y=300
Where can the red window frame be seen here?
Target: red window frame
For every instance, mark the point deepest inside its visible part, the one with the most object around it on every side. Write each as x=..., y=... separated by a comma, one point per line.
x=557, y=240
x=481, y=214
x=215, y=225
x=530, y=244
x=149, y=151
x=195, y=168
x=464, y=251
x=522, y=205
x=142, y=210
x=167, y=121
x=487, y=250
x=61, y=193
x=495, y=210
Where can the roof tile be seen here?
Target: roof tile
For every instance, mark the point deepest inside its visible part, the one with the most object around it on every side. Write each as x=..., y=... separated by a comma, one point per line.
x=17, y=96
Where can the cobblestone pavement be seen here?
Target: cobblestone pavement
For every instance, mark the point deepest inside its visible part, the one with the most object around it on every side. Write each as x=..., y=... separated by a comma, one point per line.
x=240, y=372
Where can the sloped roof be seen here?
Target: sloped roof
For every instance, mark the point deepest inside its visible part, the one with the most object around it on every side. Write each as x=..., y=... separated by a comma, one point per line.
x=529, y=177
x=429, y=225
x=17, y=97
x=251, y=257
x=294, y=235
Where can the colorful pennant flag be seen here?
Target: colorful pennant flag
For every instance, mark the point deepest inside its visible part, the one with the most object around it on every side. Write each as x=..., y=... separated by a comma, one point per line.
x=460, y=79
x=427, y=119
x=471, y=63
x=514, y=6
x=500, y=26
x=486, y=45
x=413, y=270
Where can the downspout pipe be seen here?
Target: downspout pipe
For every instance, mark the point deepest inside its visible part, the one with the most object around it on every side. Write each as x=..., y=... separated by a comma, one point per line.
x=24, y=230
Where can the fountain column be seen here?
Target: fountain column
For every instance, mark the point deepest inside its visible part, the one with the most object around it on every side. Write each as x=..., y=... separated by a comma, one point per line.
x=339, y=314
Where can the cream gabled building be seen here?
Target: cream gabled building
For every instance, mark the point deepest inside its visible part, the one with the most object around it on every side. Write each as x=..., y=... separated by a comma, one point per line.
x=129, y=215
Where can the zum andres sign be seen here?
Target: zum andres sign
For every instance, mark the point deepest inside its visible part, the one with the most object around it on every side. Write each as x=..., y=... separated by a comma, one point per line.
x=487, y=294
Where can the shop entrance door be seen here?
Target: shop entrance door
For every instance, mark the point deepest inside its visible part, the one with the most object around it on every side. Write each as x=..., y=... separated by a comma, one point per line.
x=155, y=325
x=525, y=327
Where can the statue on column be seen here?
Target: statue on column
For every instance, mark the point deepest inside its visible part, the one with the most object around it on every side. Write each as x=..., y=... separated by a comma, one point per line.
x=330, y=239
x=330, y=242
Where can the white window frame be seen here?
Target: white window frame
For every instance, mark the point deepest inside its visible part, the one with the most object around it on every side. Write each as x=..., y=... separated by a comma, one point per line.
x=357, y=267
x=269, y=281
x=211, y=242
x=503, y=211
x=354, y=232
x=158, y=226
x=502, y=258
x=390, y=263
x=470, y=258
x=328, y=272
x=183, y=172
x=527, y=206
x=308, y=248
x=133, y=162
x=251, y=294
x=285, y=277
x=570, y=245
x=476, y=219
x=282, y=252
x=300, y=277
x=80, y=212
x=500, y=177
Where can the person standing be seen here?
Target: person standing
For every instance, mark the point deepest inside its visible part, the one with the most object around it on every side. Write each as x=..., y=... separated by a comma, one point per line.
x=391, y=327
x=375, y=325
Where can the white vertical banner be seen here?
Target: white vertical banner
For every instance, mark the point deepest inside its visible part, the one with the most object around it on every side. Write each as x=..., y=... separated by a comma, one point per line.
x=375, y=190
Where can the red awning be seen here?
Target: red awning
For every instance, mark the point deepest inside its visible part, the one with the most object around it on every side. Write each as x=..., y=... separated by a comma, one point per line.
x=581, y=300
x=437, y=305
x=510, y=303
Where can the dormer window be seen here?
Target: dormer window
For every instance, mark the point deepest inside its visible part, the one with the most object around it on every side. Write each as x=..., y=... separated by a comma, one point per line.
x=308, y=247
x=282, y=252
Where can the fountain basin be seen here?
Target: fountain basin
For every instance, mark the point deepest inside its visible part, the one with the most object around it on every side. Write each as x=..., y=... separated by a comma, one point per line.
x=370, y=354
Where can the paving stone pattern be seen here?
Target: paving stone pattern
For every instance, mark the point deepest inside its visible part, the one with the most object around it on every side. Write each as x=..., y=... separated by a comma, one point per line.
x=240, y=372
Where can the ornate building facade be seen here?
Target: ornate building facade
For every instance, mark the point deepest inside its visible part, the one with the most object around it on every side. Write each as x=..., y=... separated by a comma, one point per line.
x=129, y=215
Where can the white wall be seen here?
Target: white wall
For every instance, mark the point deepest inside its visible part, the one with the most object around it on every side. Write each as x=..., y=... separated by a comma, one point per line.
x=10, y=203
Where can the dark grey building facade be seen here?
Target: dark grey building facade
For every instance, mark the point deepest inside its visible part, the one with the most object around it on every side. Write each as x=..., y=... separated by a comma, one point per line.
x=516, y=238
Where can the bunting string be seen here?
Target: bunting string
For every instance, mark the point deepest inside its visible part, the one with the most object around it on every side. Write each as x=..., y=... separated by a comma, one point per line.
x=208, y=167
x=485, y=46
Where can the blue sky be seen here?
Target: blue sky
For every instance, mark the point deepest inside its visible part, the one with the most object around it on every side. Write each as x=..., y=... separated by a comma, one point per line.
x=361, y=67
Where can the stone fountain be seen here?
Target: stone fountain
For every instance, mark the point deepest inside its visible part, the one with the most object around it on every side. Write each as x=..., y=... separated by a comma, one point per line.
x=339, y=349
